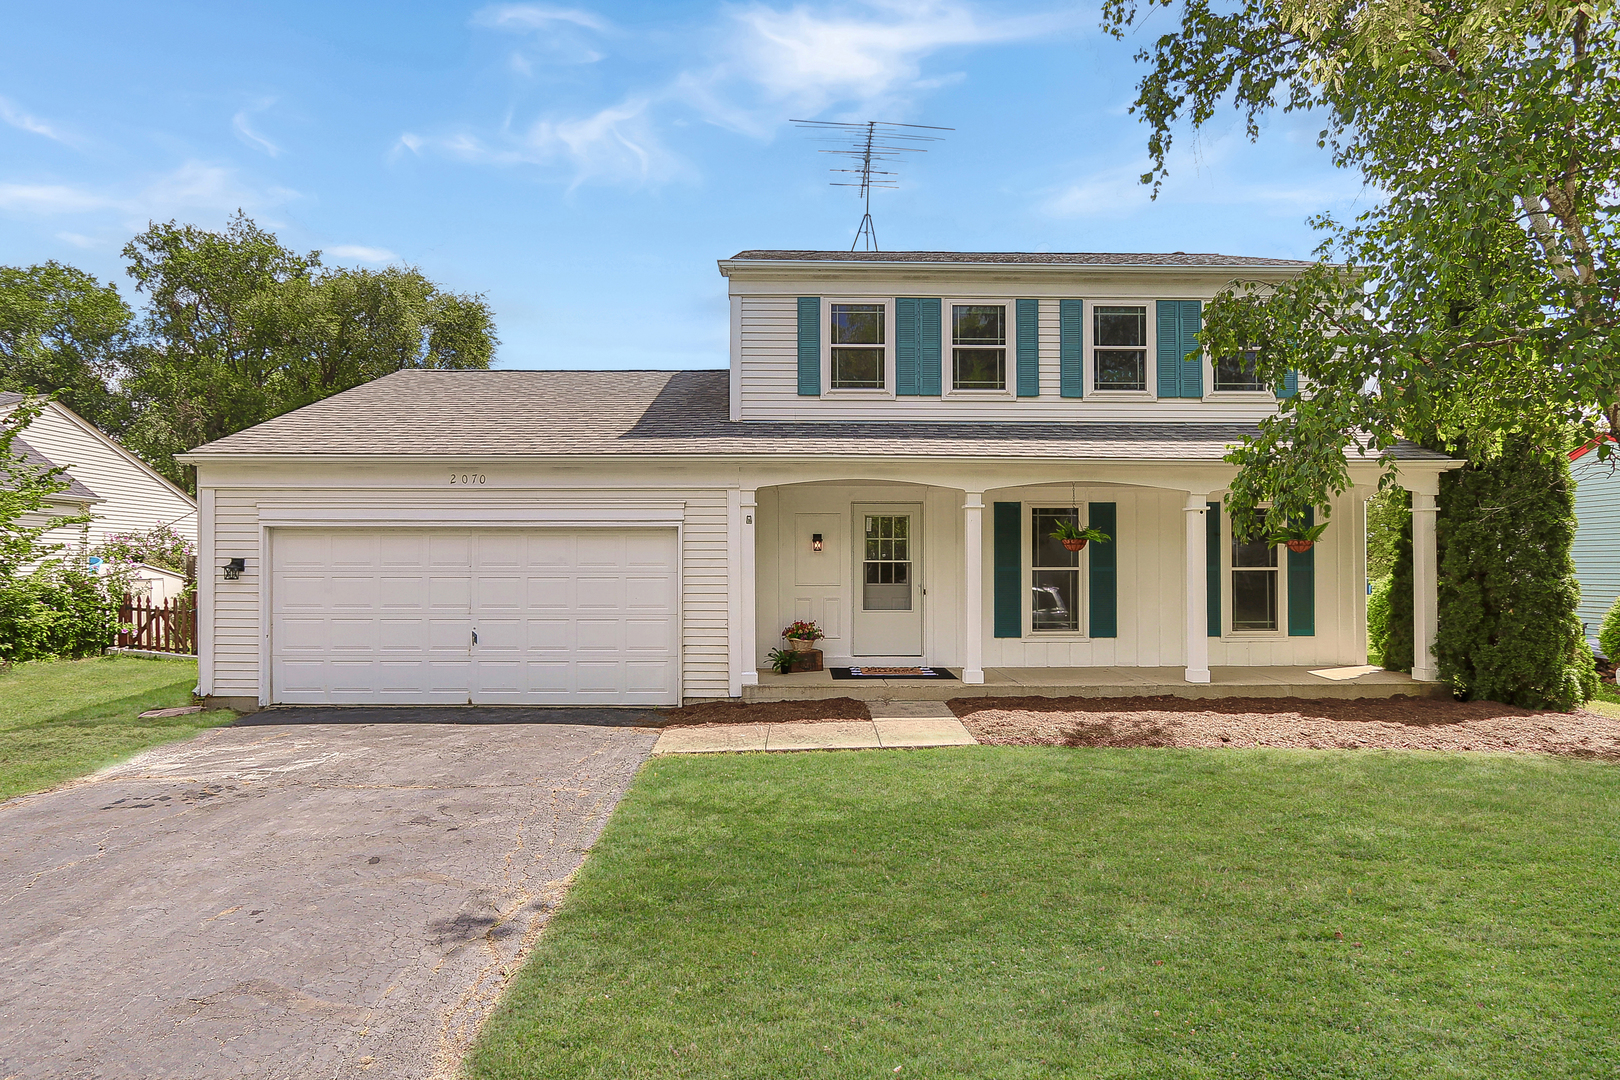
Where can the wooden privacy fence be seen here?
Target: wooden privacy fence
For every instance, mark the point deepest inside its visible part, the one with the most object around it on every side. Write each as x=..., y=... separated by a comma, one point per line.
x=169, y=627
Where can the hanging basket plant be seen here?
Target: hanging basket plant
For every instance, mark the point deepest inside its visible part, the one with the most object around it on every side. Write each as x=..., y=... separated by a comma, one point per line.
x=1074, y=538
x=1297, y=538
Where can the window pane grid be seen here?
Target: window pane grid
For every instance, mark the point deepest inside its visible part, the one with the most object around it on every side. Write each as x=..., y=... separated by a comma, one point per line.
x=978, y=352
x=1119, y=339
x=886, y=569
x=858, y=339
x=1254, y=583
x=1238, y=372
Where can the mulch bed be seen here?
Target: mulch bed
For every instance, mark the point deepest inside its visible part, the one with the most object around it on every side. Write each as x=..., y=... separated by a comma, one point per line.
x=765, y=712
x=1397, y=723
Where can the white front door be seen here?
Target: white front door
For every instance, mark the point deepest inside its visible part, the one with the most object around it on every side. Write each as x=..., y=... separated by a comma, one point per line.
x=542, y=616
x=888, y=591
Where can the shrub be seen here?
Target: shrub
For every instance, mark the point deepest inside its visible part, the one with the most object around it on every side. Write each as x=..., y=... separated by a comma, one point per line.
x=1609, y=636
x=159, y=546
x=1508, y=594
x=1378, y=620
x=60, y=610
x=1399, y=635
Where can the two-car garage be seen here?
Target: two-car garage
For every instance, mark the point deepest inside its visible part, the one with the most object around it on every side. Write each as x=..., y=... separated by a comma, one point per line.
x=482, y=615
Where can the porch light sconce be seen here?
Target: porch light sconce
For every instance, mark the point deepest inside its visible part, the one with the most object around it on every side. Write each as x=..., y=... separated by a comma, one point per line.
x=815, y=541
x=233, y=569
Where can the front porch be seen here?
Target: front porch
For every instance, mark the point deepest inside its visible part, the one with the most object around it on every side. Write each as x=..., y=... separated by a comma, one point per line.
x=1099, y=682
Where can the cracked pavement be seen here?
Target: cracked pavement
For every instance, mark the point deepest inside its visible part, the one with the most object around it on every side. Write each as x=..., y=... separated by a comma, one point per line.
x=317, y=900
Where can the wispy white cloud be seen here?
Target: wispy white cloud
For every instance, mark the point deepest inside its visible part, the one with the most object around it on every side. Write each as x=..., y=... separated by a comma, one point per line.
x=1213, y=180
x=535, y=17
x=195, y=189
x=361, y=253
x=241, y=124
x=17, y=118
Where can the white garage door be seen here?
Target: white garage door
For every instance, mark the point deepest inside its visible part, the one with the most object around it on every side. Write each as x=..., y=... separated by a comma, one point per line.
x=480, y=616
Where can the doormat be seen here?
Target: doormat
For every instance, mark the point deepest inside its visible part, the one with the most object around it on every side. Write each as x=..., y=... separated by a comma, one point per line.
x=890, y=673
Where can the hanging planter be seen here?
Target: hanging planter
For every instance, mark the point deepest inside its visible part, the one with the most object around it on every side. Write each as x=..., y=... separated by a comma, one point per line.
x=1074, y=538
x=1297, y=538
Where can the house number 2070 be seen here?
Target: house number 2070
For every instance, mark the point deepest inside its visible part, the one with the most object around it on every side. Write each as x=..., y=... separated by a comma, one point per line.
x=466, y=478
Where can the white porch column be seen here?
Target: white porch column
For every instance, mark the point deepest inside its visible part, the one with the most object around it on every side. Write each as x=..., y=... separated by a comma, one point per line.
x=973, y=587
x=748, y=614
x=1425, y=587
x=1197, y=588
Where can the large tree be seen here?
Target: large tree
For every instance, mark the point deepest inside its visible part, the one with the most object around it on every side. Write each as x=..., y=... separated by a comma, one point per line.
x=63, y=333
x=1475, y=306
x=1478, y=297
x=239, y=328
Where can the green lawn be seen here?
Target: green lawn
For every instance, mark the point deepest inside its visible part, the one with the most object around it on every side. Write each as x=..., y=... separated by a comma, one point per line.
x=1033, y=912
x=63, y=719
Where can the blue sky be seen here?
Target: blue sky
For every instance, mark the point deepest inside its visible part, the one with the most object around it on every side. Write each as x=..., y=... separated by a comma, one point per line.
x=584, y=166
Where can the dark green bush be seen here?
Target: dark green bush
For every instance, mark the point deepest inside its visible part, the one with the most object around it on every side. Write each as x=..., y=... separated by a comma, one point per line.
x=1378, y=620
x=1397, y=650
x=57, y=611
x=1508, y=629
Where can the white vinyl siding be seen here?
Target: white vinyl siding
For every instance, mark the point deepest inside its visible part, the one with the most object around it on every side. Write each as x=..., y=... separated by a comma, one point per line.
x=1597, y=537
x=133, y=497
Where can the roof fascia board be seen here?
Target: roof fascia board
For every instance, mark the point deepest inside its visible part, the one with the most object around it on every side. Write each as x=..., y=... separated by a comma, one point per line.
x=728, y=267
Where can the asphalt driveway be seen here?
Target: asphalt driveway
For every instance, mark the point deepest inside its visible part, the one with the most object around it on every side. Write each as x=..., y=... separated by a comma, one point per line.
x=280, y=900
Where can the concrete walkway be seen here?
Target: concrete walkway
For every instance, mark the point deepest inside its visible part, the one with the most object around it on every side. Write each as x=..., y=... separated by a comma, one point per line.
x=894, y=725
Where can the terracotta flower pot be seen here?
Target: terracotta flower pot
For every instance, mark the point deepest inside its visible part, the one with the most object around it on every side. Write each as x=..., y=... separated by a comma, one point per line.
x=1301, y=546
x=1074, y=545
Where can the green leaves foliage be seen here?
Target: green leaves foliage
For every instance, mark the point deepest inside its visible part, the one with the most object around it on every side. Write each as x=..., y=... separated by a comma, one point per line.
x=1508, y=584
x=239, y=329
x=27, y=508
x=63, y=333
x=1609, y=635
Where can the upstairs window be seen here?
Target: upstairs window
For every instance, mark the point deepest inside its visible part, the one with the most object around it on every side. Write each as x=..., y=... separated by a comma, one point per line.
x=1239, y=372
x=858, y=341
x=978, y=347
x=1254, y=583
x=1119, y=347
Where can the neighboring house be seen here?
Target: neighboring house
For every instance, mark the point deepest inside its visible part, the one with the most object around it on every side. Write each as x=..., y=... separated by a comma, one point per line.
x=123, y=492
x=1597, y=534
x=895, y=438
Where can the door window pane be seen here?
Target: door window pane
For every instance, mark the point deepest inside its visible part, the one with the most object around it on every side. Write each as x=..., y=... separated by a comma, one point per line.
x=1054, y=577
x=857, y=346
x=978, y=346
x=1119, y=337
x=886, y=568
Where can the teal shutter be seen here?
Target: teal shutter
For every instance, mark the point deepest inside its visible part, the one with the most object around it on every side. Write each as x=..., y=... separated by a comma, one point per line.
x=1290, y=385
x=1029, y=348
x=905, y=346
x=809, y=346
x=1071, y=348
x=1302, y=588
x=1212, y=563
x=1104, y=570
x=1009, y=570
x=916, y=346
x=1169, y=336
x=1192, y=367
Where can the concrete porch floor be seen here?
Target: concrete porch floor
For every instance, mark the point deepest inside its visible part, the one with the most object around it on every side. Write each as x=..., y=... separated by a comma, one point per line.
x=1095, y=682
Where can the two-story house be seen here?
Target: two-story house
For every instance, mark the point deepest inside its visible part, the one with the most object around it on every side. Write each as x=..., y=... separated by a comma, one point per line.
x=895, y=439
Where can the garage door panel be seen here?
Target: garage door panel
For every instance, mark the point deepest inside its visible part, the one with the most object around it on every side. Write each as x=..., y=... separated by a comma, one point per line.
x=386, y=616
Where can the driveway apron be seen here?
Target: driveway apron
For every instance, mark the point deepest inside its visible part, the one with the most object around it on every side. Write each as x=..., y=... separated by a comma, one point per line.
x=309, y=900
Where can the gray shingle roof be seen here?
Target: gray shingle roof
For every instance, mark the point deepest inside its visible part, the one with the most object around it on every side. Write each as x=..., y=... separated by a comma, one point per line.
x=1023, y=258
x=75, y=492
x=653, y=413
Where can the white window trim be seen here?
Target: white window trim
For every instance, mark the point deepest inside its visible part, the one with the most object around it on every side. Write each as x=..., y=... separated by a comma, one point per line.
x=1151, y=365
x=887, y=390
x=1082, y=567
x=1228, y=632
x=947, y=359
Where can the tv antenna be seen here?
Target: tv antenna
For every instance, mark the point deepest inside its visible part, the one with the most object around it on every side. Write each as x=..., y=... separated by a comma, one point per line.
x=868, y=145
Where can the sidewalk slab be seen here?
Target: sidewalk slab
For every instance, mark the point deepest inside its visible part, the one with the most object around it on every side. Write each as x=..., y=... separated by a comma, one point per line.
x=923, y=732
x=834, y=735
x=909, y=710
x=711, y=740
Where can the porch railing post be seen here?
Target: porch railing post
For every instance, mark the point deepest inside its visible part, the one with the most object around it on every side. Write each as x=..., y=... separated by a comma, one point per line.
x=1197, y=588
x=973, y=588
